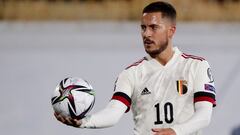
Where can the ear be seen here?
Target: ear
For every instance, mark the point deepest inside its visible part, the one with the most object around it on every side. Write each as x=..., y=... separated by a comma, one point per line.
x=171, y=31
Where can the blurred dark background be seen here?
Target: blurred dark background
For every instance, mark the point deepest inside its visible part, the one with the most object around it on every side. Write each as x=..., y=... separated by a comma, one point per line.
x=191, y=10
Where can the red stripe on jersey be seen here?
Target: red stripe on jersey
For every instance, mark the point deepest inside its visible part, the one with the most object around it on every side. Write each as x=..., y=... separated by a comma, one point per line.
x=204, y=98
x=137, y=63
x=123, y=100
x=187, y=56
x=193, y=56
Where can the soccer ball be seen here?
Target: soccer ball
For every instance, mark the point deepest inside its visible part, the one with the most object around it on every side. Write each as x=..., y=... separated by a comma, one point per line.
x=73, y=97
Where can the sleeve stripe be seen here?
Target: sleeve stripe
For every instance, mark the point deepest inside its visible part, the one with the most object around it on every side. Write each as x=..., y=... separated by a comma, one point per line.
x=198, y=99
x=205, y=96
x=124, y=98
x=201, y=93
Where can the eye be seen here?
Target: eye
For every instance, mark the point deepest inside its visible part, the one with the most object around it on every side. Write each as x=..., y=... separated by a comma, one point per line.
x=154, y=27
x=143, y=27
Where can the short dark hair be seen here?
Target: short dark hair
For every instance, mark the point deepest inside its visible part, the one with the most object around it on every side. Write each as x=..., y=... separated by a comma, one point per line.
x=165, y=8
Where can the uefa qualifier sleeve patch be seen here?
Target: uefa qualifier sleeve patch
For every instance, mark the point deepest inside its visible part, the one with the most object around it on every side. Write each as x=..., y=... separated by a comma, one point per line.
x=124, y=98
x=205, y=96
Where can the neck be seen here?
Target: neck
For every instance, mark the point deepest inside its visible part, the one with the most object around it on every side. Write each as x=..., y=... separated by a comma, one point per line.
x=166, y=55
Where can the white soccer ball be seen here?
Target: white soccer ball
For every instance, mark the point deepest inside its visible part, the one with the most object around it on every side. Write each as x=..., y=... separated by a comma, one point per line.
x=73, y=97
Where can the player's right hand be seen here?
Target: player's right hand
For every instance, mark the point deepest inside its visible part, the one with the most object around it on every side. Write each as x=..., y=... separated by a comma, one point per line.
x=67, y=120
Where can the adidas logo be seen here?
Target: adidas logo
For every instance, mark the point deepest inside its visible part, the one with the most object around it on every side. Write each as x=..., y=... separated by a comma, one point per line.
x=145, y=91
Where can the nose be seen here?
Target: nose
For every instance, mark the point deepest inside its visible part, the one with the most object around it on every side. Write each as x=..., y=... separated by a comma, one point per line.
x=147, y=33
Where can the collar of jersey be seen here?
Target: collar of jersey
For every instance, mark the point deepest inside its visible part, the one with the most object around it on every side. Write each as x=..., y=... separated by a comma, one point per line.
x=170, y=62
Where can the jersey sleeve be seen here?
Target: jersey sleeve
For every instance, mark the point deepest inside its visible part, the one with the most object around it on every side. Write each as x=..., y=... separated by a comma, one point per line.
x=114, y=111
x=204, y=89
x=123, y=89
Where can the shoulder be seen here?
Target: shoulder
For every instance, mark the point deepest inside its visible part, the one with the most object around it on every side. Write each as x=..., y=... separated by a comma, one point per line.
x=130, y=71
x=189, y=59
x=136, y=63
x=192, y=57
x=194, y=62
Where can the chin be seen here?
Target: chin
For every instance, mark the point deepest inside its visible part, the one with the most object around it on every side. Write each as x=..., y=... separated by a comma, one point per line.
x=152, y=53
x=150, y=48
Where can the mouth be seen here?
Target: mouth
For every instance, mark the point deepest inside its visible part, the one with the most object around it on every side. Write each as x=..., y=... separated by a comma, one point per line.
x=148, y=42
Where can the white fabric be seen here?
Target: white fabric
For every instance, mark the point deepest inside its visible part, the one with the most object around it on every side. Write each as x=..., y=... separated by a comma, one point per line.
x=106, y=117
x=199, y=120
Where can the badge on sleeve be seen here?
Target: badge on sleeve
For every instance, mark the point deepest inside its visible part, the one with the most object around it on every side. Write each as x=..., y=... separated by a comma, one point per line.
x=210, y=76
x=182, y=87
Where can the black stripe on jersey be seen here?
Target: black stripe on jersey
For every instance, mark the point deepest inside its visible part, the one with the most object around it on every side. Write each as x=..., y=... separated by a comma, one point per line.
x=201, y=93
x=205, y=96
x=123, y=95
x=124, y=98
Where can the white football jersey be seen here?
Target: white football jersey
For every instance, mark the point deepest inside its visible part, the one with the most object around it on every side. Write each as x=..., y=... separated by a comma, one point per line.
x=162, y=96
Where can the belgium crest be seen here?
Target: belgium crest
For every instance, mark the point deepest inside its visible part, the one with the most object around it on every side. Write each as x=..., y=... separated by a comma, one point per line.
x=182, y=87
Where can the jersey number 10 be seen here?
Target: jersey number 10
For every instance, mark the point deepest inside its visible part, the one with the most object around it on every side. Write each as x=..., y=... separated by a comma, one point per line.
x=168, y=113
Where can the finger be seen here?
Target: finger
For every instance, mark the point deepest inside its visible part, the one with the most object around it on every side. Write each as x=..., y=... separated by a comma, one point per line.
x=73, y=122
x=56, y=115
x=157, y=129
x=68, y=121
x=59, y=118
x=76, y=123
x=157, y=133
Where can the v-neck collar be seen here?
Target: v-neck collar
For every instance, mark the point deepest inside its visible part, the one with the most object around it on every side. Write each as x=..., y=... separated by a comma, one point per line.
x=169, y=63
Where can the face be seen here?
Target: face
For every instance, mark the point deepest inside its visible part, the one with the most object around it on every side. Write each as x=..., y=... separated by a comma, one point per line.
x=156, y=32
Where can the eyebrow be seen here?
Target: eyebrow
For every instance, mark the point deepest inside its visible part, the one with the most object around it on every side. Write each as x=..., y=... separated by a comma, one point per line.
x=150, y=25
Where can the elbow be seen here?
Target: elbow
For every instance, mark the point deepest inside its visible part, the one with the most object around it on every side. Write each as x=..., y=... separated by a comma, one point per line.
x=115, y=121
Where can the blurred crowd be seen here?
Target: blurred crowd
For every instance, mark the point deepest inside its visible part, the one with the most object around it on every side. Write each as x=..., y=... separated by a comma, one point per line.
x=188, y=10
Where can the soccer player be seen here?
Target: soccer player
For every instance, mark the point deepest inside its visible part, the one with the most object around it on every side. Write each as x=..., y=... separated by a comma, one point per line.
x=169, y=92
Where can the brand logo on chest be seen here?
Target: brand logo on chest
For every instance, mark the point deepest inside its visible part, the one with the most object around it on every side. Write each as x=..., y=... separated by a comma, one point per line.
x=145, y=91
